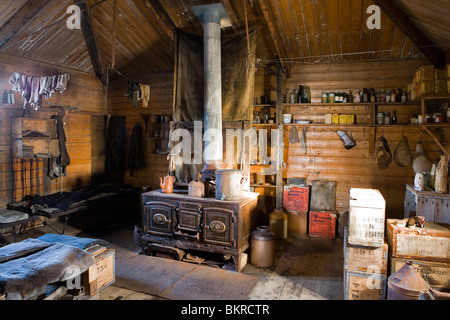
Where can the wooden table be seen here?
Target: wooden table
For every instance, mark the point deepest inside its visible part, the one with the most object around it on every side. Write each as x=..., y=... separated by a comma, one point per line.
x=435, y=207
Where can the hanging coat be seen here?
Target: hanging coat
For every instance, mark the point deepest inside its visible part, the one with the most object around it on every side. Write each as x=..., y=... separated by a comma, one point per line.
x=136, y=153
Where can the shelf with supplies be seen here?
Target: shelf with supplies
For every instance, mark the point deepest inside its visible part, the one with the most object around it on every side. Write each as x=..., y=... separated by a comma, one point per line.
x=355, y=114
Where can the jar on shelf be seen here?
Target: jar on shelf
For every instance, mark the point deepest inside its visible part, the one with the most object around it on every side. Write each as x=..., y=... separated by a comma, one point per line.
x=387, y=118
x=380, y=118
x=324, y=97
x=331, y=97
x=292, y=96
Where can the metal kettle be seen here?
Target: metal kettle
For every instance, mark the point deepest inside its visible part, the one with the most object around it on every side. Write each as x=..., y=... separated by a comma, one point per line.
x=167, y=186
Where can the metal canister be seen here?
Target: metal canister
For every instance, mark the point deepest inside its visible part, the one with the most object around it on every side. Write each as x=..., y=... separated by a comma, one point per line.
x=406, y=284
x=262, y=247
x=279, y=224
x=230, y=184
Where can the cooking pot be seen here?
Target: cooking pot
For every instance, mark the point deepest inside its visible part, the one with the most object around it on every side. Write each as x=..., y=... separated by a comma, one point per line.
x=230, y=184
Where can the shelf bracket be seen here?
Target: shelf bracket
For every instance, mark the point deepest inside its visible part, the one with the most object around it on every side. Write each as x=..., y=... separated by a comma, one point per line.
x=436, y=140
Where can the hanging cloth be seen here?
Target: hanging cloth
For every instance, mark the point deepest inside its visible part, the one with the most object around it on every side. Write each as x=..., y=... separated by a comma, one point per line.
x=136, y=154
x=57, y=166
x=133, y=92
x=145, y=95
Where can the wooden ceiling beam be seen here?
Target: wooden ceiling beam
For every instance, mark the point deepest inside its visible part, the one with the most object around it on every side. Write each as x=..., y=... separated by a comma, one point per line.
x=20, y=19
x=273, y=33
x=158, y=12
x=420, y=40
x=88, y=34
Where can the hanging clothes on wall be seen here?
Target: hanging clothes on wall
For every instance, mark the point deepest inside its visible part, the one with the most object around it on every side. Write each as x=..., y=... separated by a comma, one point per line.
x=133, y=92
x=57, y=166
x=32, y=88
x=136, y=154
x=145, y=95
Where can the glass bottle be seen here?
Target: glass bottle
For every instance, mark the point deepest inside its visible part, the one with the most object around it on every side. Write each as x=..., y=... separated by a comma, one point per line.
x=394, y=117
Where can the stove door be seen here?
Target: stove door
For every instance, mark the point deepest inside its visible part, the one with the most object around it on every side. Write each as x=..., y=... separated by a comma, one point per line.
x=218, y=225
x=189, y=220
x=159, y=218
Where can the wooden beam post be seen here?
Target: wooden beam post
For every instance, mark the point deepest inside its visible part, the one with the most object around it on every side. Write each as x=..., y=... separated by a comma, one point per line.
x=273, y=33
x=88, y=34
x=20, y=19
x=395, y=13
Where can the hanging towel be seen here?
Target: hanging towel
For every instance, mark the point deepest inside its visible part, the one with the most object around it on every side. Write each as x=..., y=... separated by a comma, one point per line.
x=145, y=95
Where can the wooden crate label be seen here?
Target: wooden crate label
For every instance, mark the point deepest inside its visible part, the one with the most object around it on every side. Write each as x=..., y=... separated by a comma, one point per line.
x=418, y=245
x=366, y=225
x=437, y=274
x=364, y=286
x=367, y=259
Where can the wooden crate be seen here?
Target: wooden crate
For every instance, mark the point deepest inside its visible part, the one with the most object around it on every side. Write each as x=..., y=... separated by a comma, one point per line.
x=437, y=274
x=365, y=259
x=366, y=217
x=296, y=198
x=431, y=243
x=35, y=148
x=432, y=205
x=33, y=127
x=297, y=222
x=322, y=224
x=364, y=286
x=102, y=273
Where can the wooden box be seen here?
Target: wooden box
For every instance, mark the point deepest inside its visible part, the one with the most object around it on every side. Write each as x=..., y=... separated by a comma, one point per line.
x=426, y=73
x=432, y=205
x=32, y=127
x=296, y=198
x=102, y=273
x=440, y=86
x=297, y=222
x=430, y=243
x=365, y=259
x=35, y=148
x=366, y=217
x=322, y=224
x=364, y=286
x=440, y=73
x=437, y=274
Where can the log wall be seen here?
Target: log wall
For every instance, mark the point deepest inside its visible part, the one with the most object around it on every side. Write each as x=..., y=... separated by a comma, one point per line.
x=160, y=103
x=326, y=158
x=85, y=96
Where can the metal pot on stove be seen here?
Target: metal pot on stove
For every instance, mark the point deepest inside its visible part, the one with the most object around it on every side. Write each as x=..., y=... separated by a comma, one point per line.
x=230, y=184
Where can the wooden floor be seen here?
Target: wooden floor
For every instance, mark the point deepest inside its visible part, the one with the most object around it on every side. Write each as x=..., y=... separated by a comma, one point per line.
x=306, y=268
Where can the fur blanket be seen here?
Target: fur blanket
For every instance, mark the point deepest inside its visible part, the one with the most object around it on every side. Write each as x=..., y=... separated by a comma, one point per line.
x=28, y=266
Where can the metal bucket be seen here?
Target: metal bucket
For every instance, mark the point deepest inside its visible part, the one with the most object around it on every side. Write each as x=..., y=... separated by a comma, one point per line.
x=230, y=185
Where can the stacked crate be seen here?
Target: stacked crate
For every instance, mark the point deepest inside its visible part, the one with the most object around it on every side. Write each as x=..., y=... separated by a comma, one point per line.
x=296, y=206
x=322, y=212
x=429, y=80
x=428, y=249
x=365, y=249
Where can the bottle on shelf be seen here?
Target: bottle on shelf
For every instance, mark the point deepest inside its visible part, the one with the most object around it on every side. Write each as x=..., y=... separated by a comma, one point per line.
x=394, y=117
x=300, y=94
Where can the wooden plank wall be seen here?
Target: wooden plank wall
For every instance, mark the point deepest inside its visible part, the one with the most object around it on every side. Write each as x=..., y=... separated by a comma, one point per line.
x=161, y=103
x=326, y=158
x=84, y=94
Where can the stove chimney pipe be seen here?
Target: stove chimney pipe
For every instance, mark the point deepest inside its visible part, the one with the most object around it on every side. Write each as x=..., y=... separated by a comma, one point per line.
x=212, y=18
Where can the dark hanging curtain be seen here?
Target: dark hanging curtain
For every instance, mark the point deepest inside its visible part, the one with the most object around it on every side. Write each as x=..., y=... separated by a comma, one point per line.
x=238, y=77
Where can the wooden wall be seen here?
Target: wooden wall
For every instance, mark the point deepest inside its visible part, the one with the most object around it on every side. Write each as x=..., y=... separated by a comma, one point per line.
x=326, y=158
x=84, y=97
x=161, y=103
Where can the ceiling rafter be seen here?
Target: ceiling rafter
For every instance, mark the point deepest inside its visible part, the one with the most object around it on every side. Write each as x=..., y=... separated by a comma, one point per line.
x=278, y=47
x=20, y=19
x=157, y=11
x=88, y=34
x=396, y=14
